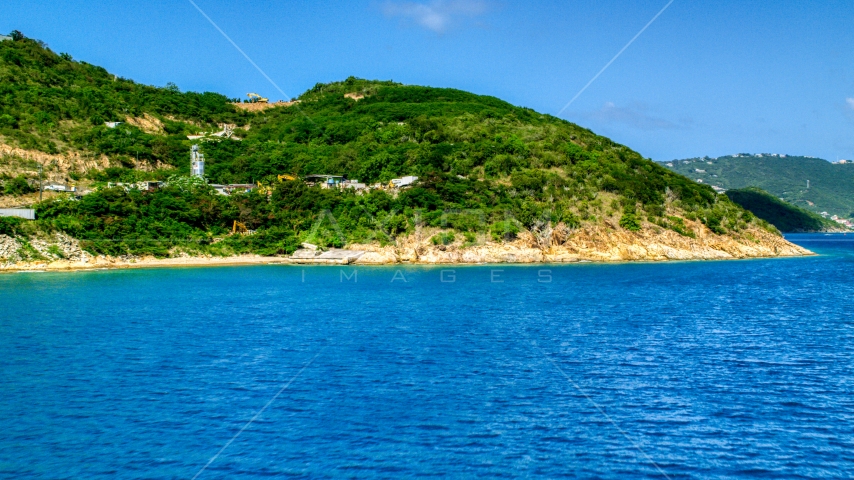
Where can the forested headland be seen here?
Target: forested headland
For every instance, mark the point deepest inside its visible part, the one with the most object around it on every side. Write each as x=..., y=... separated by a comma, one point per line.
x=487, y=170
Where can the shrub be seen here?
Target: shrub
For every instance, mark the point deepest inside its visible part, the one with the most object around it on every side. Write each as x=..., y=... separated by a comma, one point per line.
x=505, y=230
x=678, y=225
x=9, y=225
x=570, y=219
x=630, y=222
x=445, y=238
x=713, y=220
x=18, y=186
x=471, y=238
x=529, y=180
x=8, y=121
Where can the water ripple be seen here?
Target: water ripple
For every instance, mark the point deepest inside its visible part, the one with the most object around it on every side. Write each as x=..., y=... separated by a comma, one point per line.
x=712, y=369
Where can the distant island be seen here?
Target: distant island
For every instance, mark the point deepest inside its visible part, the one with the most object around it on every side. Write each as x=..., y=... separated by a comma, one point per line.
x=786, y=217
x=120, y=173
x=811, y=184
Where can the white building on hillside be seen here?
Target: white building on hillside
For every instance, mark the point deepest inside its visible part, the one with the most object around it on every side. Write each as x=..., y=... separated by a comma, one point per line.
x=403, y=182
x=197, y=162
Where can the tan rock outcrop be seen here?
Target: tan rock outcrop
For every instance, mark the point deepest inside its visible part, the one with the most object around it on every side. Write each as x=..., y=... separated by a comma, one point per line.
x=601, y=243
x=147, y=123
x=15, y=161
x=596, y=243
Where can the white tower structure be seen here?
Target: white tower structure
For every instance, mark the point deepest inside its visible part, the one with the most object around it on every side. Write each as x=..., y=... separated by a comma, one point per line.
x=197, y=162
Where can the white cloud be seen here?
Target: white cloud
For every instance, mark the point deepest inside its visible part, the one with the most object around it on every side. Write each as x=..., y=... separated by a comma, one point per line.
x=635, y=115
x=850, y=102
x=436, y=15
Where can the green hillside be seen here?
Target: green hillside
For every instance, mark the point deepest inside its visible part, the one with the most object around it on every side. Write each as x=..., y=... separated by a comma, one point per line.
x=486, y=168
x=785, y=216
x=831, y=186
x=54, y=104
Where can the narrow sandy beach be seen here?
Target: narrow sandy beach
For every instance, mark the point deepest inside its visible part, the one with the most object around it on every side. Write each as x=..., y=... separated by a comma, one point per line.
x=102, y=263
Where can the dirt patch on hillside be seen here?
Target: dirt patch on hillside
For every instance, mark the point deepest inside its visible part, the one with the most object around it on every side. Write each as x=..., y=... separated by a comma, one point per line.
x=260, y=107
x=26, y=201
x=16, y=161
x=147, y=123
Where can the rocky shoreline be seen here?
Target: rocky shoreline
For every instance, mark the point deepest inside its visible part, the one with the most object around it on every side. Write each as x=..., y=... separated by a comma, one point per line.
x=601, y=244
x=592, y=244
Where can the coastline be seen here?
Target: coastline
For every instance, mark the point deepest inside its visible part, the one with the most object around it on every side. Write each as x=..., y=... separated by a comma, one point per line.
x=248, y=260
x=112, y=263
x=591, y=245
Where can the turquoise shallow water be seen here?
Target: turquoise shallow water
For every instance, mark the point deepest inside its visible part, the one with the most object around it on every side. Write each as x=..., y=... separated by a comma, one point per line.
x=690, y=370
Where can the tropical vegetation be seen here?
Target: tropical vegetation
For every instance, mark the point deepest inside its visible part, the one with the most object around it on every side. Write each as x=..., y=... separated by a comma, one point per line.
x=487, y=169
x=812, y=184
x=786, y=217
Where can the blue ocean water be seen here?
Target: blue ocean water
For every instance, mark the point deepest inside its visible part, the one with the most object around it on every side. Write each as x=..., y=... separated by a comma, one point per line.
x=728, y=369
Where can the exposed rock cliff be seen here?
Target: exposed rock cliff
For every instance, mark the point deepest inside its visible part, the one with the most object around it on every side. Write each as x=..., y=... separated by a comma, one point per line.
x=607, y=243
x=16, y=161
x=56, y=248
x=597, y=244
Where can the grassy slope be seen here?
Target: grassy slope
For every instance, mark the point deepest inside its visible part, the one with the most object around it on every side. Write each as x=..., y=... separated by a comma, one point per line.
x=786, y=217
x=486, y=166
x=53, y=104
x=831, y=186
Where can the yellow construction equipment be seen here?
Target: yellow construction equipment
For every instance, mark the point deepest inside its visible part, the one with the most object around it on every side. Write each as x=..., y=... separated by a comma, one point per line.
x=263, y=189
x=287, y=177
x=239, y=227
x=255, y=98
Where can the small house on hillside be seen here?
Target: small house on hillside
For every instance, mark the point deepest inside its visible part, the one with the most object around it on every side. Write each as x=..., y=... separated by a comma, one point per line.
x=355, y=185
x=240, y=187
x=150, y=186
x=232, y=188
x=58, y=187
x=404, y=181
x=5, y=37
x=25, y=213
x=324, y=181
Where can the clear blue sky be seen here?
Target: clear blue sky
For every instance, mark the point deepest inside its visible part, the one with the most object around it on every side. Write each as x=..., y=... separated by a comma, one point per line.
x=707, y=78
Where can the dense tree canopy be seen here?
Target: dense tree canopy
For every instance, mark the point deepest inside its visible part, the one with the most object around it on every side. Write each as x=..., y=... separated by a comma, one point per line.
x=484, y=166
x=786, y=217
x=52, y=103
